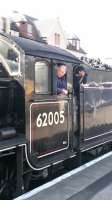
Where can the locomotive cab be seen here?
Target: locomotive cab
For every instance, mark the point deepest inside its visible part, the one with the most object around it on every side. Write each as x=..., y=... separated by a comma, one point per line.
x=49, y=117
x=48, y=129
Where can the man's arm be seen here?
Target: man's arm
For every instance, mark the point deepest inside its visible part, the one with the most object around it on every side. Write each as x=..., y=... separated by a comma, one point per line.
x=64, y=86
x=61, y=86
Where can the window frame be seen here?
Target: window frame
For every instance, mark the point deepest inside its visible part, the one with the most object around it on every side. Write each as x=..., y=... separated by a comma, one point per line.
x=54, y=63
x=40, y=59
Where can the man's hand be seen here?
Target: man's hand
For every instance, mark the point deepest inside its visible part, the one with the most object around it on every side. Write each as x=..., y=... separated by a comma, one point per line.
x=65, y=92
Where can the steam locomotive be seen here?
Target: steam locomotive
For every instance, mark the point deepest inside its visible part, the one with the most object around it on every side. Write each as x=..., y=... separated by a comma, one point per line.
x=39, y=129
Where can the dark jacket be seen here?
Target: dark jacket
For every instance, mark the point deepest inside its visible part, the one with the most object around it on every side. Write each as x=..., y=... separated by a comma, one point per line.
x=61, y=83
x=76, y=82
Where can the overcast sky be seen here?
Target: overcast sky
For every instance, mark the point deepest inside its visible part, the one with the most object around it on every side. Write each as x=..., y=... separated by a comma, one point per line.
x=91, y=20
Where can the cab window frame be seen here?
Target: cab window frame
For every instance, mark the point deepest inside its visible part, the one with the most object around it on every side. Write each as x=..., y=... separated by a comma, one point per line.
x=54, y=63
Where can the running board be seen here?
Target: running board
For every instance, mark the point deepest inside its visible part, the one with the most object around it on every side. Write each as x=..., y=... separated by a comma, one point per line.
x=41, y=163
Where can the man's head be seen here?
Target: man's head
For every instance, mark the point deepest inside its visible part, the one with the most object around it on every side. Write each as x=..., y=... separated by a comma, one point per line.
x=61, y=70
x=80, y=71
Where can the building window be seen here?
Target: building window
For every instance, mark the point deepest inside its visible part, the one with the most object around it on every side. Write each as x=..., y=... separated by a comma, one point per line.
x=57, y=38
x=1, y=24
x=78, y=45
x=4, y=25
x=29, y=29
x=74, y=42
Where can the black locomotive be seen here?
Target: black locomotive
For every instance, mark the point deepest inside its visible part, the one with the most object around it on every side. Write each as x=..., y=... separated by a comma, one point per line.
x=39, y=128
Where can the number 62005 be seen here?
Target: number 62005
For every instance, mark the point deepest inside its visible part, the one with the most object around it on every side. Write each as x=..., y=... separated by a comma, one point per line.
x=48, y=119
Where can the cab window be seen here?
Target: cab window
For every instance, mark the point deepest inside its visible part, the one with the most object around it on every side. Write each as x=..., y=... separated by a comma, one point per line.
x=42, y=77
x=60, y=84
x=63, y=78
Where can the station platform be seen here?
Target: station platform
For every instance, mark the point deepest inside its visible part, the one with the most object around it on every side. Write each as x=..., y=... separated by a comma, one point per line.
x=92, y=181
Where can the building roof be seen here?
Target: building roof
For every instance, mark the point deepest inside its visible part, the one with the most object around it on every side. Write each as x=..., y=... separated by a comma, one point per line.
x=30, y=18
x=46, y=26
x=17, y=17
x=82, y=51
x=35, y=48
x=71, y=36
